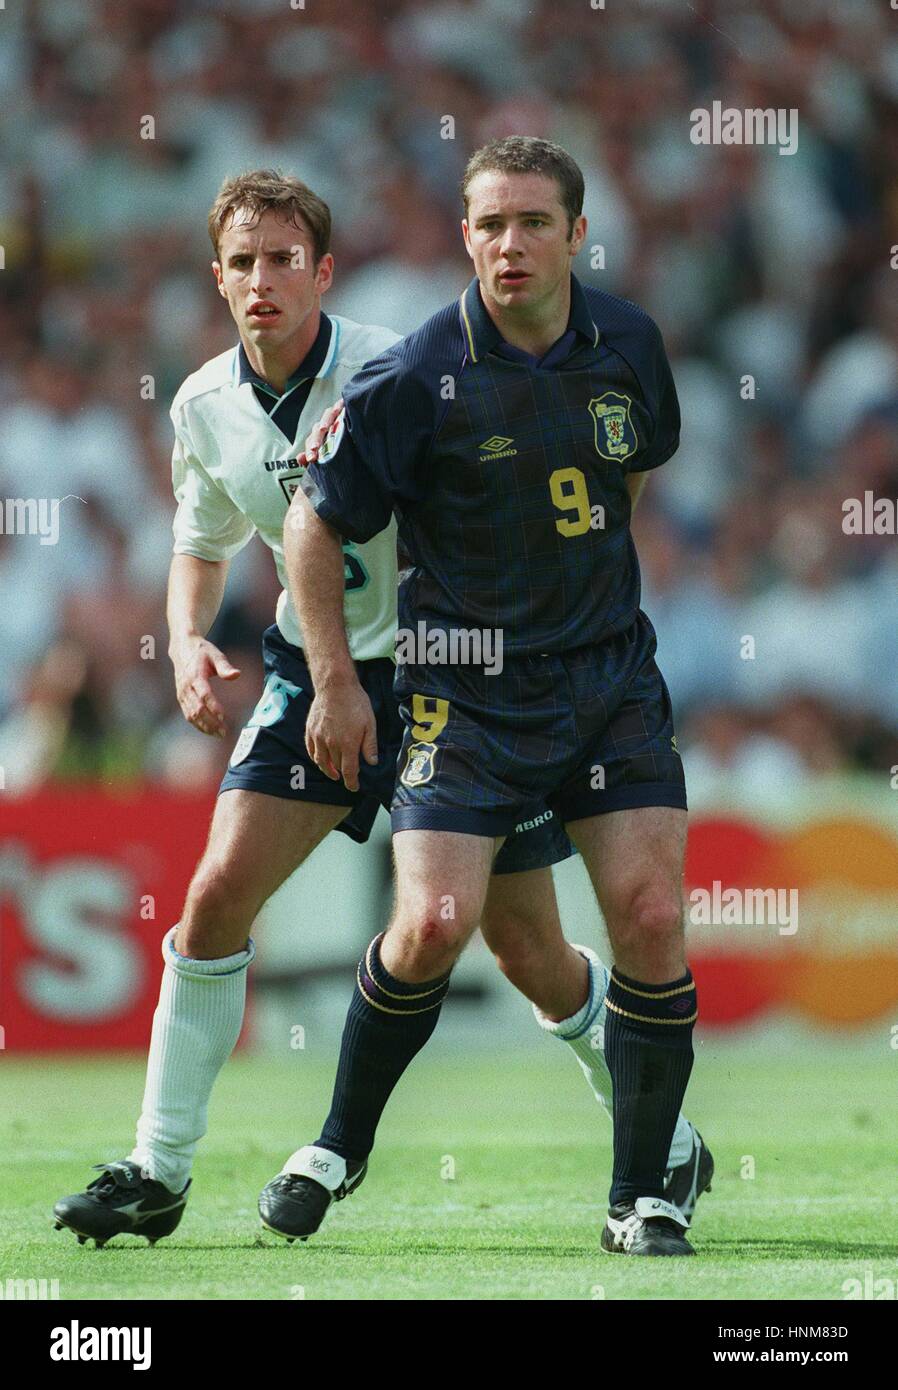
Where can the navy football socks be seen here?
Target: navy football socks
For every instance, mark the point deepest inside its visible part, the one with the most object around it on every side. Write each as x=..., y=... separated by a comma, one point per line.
x=388, y=1022
x=648, y=1050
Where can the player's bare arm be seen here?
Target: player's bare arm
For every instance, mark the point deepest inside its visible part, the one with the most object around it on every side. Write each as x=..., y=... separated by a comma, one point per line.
x=327, y=422
x=195, y=591
x=341, y=722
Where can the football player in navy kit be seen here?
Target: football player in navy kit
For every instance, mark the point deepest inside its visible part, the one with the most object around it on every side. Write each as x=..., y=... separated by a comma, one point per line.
x=510, y=436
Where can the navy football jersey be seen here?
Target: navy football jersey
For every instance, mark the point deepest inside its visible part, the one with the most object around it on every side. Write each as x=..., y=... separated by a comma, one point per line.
x=506, y=473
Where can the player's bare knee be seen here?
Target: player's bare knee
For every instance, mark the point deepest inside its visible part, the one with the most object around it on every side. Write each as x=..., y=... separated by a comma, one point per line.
x=502, y=933
x=215, y=914
x=513, y=951
x=517, y=970
x=428, y=944
x=436, y=937
x=653, y=920
x=207, y=896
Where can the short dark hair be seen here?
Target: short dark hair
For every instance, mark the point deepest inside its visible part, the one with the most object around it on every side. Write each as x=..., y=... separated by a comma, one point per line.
x=259, y=190
x=525, y=154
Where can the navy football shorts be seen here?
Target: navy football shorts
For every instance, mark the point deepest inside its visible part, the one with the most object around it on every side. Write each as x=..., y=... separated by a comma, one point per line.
x=270, y=756
x=583, y=732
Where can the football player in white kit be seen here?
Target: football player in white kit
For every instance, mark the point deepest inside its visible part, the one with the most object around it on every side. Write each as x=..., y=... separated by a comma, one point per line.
x=240, y=422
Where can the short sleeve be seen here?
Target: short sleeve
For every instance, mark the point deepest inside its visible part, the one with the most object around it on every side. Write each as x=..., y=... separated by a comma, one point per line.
x=207, y=522
x=372, y=462
x=664, y=405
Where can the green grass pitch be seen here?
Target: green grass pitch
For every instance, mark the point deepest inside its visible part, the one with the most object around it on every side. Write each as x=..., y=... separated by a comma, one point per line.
x=522, y=1215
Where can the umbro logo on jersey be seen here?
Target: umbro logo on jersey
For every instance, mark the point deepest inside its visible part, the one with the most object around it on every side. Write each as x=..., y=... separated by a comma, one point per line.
x=496, y=447
x=280, y=465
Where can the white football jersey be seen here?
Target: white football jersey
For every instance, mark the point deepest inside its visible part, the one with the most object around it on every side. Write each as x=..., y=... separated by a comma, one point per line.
x=234, y=473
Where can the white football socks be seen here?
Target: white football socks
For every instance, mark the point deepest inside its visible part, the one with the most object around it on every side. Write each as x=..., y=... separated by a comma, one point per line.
x=195, y=1027
x=584, y=1032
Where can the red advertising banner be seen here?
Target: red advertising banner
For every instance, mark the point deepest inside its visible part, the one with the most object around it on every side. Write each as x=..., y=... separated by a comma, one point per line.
x=799, y=920
x=89, y=885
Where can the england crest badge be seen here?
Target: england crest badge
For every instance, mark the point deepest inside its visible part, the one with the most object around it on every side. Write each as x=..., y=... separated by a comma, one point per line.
x=243, y=746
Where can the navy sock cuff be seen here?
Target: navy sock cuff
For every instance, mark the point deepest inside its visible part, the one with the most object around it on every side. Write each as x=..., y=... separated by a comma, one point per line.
x=384, y=992
x=670, y=1008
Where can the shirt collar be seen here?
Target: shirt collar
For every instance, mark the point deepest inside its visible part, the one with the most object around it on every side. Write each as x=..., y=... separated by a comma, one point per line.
x=315, y=363
x=481, y=334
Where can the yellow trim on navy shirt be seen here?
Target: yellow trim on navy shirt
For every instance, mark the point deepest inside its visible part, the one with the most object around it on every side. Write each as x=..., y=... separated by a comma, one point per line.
x=467, y=323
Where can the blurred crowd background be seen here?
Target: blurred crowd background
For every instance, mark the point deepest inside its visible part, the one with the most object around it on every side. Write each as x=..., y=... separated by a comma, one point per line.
x=754, y=264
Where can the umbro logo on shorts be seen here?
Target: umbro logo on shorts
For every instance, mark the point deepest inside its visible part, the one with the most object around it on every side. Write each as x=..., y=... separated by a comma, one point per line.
x=533, y=824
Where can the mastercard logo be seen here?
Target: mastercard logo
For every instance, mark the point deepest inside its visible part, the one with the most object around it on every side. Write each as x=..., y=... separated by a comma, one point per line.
x=840, y=965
